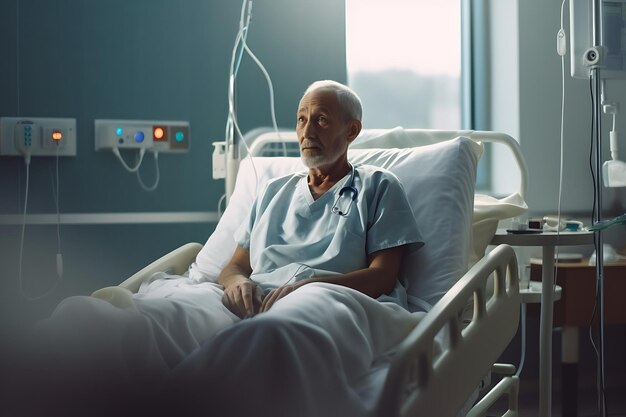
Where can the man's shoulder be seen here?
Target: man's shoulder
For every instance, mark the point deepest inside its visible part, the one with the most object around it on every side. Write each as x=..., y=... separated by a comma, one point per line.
x=375, y=172
x=283, y=179
x=277, y=183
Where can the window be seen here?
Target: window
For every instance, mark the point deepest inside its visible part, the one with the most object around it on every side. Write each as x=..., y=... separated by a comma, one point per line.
x=420, y=64
x=404, y=60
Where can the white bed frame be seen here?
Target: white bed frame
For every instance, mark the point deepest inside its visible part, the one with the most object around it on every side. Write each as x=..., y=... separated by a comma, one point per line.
x=421, y=382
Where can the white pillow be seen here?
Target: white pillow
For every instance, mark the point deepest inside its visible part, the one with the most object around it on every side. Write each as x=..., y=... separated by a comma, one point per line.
x=439, y=181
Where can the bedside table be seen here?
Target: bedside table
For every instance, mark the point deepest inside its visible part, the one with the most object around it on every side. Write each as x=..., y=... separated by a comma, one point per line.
x=548, y=241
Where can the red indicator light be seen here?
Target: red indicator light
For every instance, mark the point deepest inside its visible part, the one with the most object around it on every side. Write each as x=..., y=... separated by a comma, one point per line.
x=57, y=135
x=158, y=133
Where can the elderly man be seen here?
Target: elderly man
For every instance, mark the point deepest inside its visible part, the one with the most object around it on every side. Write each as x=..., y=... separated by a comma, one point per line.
x=318, y=249
x=337, y=223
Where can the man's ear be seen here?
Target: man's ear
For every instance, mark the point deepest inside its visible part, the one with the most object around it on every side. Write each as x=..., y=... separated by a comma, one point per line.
x=354, y=128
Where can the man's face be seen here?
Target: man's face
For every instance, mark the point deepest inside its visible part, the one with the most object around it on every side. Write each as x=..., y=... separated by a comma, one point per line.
x=322, y=129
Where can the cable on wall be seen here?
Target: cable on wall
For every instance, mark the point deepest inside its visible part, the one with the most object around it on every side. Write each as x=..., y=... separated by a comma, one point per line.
x=157, y=175
x=117, y=153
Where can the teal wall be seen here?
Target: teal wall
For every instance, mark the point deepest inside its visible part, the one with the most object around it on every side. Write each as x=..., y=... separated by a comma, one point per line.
x=139, y=59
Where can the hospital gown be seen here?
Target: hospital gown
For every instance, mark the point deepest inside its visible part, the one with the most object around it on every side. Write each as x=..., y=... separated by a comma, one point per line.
x=291, y=236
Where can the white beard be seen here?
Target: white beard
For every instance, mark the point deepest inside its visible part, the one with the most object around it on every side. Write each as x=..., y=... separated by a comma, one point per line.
x=313, y=161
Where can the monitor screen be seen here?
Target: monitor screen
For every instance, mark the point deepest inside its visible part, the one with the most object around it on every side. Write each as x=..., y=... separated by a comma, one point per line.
x=613, y=38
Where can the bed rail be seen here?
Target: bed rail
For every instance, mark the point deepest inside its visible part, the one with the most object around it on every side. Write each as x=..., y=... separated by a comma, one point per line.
x=437, y=381
x=175, y=262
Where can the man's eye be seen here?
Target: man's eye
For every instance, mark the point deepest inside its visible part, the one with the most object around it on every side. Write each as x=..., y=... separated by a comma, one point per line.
x=300, y=119
x=322, y=120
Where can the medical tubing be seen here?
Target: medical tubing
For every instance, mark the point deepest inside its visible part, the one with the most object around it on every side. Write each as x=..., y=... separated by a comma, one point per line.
x=21, y=255
x=232, y=126
x=219, y=206
x=244, y=28
x=599, y=88
x=241, y=39
x=301, y=265
x=268, y=79
x=142, y=152
x=59, y=257
x=614, y=117
x=240, y=54
x=562, y=14
x=614, y=141
x=561, y=153
x=593, y=211
x=158, y=175
x=231, y=121
x=593, y=177
x=233, y=74
x=17, y=57
x=593, y=344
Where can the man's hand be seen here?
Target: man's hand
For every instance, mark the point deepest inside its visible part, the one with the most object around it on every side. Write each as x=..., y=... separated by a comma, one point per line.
x=243, y=297
x=278, y=293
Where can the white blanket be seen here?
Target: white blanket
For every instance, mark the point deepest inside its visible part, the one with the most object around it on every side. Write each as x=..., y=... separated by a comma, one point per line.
x=318, y=352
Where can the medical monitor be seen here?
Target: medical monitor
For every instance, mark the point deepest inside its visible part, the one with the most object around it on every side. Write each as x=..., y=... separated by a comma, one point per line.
x=613, y=38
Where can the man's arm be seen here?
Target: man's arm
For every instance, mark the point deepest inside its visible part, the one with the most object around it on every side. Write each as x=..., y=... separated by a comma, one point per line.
x=241, y=295
x=377, y=279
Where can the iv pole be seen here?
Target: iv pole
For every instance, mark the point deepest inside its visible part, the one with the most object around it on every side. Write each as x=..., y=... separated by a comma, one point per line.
x=597, y=95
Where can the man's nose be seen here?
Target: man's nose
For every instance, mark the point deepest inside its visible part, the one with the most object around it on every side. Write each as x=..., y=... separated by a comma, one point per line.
x=308, y=130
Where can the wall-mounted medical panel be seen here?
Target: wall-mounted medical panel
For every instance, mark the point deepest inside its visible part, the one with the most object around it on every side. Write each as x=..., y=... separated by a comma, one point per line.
x=155, y=135
x=37, y=136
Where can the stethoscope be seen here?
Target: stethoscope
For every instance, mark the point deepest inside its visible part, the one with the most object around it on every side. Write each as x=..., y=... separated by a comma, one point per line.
x=351, y=189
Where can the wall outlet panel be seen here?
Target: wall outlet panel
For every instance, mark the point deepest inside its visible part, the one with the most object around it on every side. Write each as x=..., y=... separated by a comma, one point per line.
x=41, y=136
x=155, y=135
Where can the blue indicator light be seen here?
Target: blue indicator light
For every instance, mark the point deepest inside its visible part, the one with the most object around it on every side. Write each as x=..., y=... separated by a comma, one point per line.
x=119, y=131
x=139, y=137
x=180, y=136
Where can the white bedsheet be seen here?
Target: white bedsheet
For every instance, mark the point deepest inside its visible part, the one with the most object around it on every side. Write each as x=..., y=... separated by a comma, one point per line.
x=318, y=352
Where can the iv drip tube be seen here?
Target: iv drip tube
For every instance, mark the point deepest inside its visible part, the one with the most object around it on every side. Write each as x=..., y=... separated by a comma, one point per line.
x=233, y=132
x=597, y=215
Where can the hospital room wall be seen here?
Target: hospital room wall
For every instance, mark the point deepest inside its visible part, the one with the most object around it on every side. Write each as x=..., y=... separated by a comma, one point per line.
x=139, y=59
x=525, y=101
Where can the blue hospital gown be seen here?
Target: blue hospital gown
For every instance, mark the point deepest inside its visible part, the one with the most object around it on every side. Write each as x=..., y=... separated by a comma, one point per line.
x=291, y=236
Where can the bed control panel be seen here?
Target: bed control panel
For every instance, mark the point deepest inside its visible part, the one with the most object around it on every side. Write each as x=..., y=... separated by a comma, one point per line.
x=153, y=135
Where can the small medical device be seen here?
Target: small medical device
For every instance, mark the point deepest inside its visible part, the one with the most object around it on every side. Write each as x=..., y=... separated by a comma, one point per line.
x=613, y=170
x=350, y=190
x=610, y=55
x=37, y=136
x=150, y=135
x=144, y=135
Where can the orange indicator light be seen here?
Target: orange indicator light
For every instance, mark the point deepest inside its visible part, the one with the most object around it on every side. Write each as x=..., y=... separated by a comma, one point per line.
x=57, y=135
x=158, y=133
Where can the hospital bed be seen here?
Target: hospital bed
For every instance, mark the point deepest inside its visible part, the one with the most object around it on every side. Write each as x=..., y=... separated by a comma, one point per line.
x=437, y=370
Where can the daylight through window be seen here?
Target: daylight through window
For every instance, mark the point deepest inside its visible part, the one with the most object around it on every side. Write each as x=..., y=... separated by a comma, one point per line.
x=404, y=61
